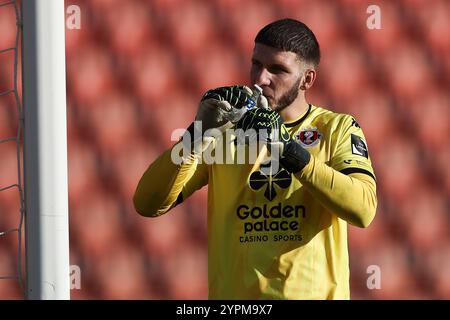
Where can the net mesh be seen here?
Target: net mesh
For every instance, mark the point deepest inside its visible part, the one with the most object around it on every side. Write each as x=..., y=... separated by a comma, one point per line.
x=12, y=94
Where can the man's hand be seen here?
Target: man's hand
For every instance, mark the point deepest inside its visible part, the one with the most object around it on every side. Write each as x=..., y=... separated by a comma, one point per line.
x=216, y=105
x=214, y=114
x=211, y=115
x=268, y=127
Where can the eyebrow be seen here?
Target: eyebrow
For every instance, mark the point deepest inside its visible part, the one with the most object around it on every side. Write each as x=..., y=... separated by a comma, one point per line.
x=275, y=65
x=279, y=66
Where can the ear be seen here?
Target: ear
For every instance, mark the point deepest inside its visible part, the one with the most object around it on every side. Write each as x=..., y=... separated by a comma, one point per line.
x=308, y=79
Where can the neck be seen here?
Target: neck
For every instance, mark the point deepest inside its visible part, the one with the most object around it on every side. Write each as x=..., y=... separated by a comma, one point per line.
x=296, y=109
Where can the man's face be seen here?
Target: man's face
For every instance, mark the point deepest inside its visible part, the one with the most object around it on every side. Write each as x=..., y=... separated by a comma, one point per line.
x=278, y=73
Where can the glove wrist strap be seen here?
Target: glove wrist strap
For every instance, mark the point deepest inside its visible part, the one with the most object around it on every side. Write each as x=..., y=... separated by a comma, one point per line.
x=294, y=157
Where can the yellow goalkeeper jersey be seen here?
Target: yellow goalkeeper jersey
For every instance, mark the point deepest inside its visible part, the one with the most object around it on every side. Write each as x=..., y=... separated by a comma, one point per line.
x=268, y=236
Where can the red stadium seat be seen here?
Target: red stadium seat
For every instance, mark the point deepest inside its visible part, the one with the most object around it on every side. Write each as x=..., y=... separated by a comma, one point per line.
x=9, y=288
x=187, y=272
x=96, y=223
x=77, y=39
x=114, y=121
x=131, y=162
x=102, y=5
x=187, y=21
x=398, y=279
x=8, y=27
x=83, y=170
x=6, y=73
x=182, y=108
x=161, y=235
x=153, y=74
x=90, y=74
x=407, y=70
x=434, y=24
x=437, y=263
x=425, y=220
x=321, y=16
x=244, y=22
x=430, y=117
x=440, y=163
x=376, y=234
x=128, y=27
x=400, y=156
x=380, y=41
x=10, y=201
x=8, y=119
x=367, y=104
x=122, y=275
x=345, y=68
x=163, y=7
x=215, y=67
x=10, y=215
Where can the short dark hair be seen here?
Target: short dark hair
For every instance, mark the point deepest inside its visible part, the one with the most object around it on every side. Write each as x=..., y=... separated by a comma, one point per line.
x=291, y=35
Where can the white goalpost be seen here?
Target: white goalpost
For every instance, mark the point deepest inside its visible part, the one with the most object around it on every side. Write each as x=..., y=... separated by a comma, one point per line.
x=45, y=150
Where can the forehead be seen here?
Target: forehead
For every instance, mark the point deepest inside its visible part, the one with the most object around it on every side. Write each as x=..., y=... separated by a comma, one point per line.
x=269, y=55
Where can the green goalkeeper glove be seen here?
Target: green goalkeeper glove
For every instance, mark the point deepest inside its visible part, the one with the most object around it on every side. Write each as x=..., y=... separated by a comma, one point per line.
x=265, y=125
x=268, y=127
x=236, y=96
x=215, y=114
x=217, y=106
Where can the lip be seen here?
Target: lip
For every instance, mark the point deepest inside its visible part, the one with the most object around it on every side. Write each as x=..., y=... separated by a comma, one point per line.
x=267, y=95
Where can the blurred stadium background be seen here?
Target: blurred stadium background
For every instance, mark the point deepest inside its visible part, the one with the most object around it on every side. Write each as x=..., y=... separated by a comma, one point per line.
x=136, y=70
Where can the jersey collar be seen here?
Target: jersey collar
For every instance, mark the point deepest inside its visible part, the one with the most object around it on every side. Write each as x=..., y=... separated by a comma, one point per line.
x=300, y=120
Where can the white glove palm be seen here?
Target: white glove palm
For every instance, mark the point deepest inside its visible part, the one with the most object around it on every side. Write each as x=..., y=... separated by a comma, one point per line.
x=216, y=106
x=215, y=111
x=212, y=115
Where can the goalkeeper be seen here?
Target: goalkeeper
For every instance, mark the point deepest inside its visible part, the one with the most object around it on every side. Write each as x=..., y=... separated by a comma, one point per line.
x=281, y=233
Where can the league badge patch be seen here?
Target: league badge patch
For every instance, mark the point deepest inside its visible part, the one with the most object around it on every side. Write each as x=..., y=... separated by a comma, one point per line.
x=359, y=146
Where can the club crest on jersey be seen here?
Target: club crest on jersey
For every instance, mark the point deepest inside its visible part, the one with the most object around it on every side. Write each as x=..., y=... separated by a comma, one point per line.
x=308, y=137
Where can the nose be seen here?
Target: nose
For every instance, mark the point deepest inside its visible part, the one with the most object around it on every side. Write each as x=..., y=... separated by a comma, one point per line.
x=261, y=77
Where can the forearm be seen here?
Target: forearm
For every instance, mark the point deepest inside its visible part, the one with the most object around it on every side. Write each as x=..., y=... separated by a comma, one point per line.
x=161, y=185
x=351, y=198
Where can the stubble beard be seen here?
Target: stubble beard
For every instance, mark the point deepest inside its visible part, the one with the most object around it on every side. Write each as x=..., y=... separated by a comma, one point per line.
x=287, y=98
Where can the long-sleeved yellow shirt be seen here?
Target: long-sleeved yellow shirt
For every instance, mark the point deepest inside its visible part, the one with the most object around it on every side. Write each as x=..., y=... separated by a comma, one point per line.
x=276, y=235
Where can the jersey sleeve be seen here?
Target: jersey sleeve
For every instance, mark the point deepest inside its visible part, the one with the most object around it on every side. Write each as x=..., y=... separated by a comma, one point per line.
x=166, y=184
x=345, y=185
x=351, y=153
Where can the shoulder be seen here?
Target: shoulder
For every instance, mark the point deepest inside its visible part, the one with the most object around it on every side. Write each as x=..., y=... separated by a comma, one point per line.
x=333, y=120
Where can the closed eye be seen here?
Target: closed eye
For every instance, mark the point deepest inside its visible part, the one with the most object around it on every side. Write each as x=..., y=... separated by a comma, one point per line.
x=277, y=68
